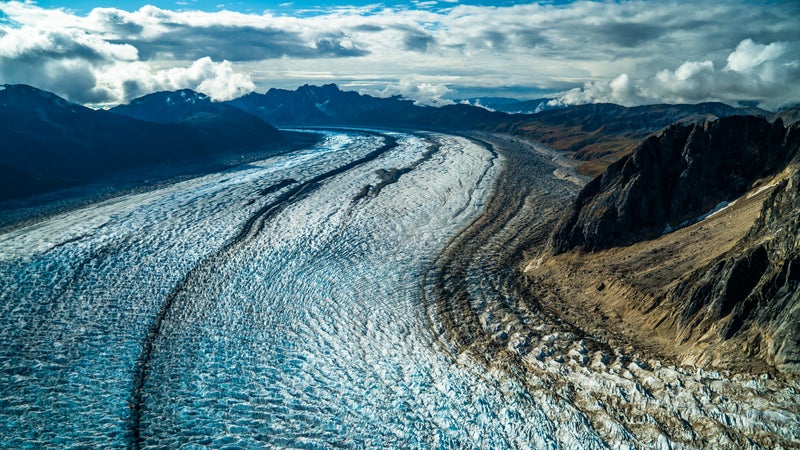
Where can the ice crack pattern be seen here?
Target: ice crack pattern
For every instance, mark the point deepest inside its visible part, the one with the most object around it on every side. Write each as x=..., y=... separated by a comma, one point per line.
x=358, y=294
x=311, y=334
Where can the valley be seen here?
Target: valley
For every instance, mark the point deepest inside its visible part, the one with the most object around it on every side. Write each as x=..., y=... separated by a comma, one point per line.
x=313, y=297
x=459, y=224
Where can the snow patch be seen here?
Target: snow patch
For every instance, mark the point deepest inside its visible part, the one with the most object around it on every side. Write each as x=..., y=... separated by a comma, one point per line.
x=721, y=206
x=762, y=189
x=322, y=106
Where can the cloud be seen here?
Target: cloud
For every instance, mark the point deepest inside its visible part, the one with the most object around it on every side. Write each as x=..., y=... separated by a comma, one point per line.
x=418, y=41
x=749, y=55
x=626, y=52
x=111, y=82
x=620, y=90
x=766, y=74
x=423, y=93
x=82, y=65
x=218, y=80
x=184, y=42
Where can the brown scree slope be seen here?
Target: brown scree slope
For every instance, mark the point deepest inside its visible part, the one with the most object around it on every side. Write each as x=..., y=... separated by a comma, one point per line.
x=723, y=291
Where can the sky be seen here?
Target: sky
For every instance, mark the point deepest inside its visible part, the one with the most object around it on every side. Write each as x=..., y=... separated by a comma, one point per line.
x=101, y=53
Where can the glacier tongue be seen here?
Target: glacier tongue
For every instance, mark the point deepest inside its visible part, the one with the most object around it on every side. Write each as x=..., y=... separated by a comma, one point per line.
x=281, y=304
x=315, y=335
x=310, y=332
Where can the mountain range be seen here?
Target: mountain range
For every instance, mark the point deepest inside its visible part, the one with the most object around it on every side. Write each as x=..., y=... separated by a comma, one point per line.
x=53, y=143
x=512, y=105
x=328, y=105
x=49, y=143
x=596, y=134
x=218, y=124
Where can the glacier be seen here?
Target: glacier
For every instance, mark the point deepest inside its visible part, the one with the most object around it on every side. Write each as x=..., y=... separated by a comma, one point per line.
x=284, y=303
x=309, y=332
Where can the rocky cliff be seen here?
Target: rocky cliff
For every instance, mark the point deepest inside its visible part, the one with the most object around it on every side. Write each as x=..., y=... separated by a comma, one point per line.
x=639, y=255
x=672, y=179
x=753, y=291
x=600, y=134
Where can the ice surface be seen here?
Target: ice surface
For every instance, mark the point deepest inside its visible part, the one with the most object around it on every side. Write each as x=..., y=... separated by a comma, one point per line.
x=79, y=291
x=310, y=331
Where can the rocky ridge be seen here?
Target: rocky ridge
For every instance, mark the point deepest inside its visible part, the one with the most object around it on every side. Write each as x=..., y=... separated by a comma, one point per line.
x=690, y=245
x=50, y=143
x=674, y=178
x=753, y=291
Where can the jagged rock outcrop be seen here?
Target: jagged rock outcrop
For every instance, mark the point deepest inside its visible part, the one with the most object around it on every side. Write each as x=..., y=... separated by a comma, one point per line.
x=789, y=116
x=753, y=292
x=602, y=133
x=673, y=178
x=741, y=303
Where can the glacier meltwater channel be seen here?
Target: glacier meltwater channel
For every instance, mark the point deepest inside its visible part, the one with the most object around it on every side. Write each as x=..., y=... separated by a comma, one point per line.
x=277, y=304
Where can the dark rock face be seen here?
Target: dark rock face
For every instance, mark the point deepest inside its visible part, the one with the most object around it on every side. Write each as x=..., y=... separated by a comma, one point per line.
x=778, y=288
x=748, y=299
x=754, y=290
x=672, y=179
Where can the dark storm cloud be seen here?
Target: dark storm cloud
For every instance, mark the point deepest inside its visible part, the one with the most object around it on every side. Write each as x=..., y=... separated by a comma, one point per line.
x=117, y=22
x=629, y=34
x=76, y=82
x=59, y=45
x=368, y=28
x=497, y=39
x=418, y=41
x=331, y=46
x=243, y=43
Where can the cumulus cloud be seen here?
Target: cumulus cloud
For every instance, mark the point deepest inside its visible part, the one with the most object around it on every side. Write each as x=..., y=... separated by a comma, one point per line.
x=767, y=74
x=620, y=90
x=625, y=52
x=423, y=93
x=65, y=61
x=111, y=55
x=82, y=65
x=218, y=80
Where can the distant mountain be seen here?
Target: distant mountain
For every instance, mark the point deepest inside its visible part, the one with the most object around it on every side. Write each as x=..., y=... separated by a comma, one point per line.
x=166, y=126
x=218, y=124
x=173, y=107
x=328, y=105
x=511, y=105
x=601, y=133
x=596, y=133
x=49, y=142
